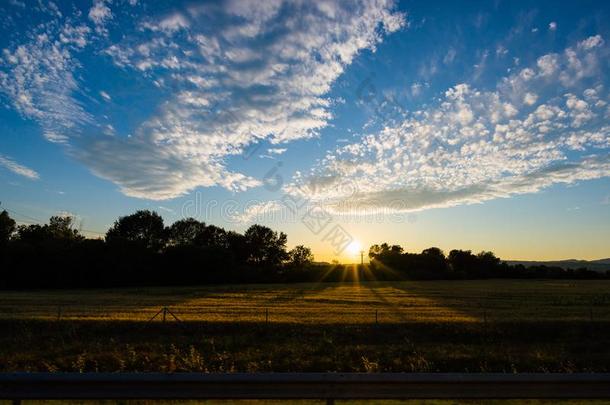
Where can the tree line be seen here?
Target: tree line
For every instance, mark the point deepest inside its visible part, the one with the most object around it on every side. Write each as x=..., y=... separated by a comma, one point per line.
x=139, y=250
x=433, y=264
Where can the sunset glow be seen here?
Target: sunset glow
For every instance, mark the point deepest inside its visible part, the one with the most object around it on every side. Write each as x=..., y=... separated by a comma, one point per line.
x=354, y=249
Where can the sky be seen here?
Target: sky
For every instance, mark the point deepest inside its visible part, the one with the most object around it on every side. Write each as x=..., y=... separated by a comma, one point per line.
x=481, y=126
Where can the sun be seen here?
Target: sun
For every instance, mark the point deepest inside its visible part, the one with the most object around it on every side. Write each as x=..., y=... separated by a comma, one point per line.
x=354, y=248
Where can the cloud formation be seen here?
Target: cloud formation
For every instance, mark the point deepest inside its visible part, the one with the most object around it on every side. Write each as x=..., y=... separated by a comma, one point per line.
x=100, y=14
x=261, y=75
x=233, y=74
x=38, y=78
x=238, y=73
x=17, y=168
x=545, y=124
x=257, y=211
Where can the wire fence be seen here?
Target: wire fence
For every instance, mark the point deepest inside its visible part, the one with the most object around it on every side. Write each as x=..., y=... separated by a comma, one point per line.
x=319, y=303
x=295, y=314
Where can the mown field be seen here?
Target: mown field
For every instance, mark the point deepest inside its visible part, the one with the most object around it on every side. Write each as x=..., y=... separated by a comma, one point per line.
x=324, y=303
x=434, y=326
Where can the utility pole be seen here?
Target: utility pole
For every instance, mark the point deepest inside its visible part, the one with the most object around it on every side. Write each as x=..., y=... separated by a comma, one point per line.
x=362, y=257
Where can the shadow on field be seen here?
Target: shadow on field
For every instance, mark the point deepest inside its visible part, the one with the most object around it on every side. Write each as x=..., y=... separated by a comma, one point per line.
x=299, y=291
x=516, y=300
x=328, y=303
x=96, y=304
x=447, y=306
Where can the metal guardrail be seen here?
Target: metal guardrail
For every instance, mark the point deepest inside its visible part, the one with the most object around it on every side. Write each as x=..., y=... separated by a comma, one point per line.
x=328, y=386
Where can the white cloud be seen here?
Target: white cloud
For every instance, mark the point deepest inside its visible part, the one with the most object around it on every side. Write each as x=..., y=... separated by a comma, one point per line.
x=476, y=145
x=591, y=42
x=76, y=35
x=530, y=98
x=548, y=64
x=450, y=56
x=416, y=89
x=259, y=212
x=16, y=168
x=166, y=209
x=480, y=66
x=261, y=71
x=100, y=14
x=276, y=151
x=263, y=75
x=105, y=95
x=501, y=51
x=574, y=103
x=109, y=130
x=552, y=26
x=38, y=78
x=168, y=24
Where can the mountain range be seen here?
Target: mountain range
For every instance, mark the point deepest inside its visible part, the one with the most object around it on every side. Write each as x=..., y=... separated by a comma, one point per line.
x=601, y=265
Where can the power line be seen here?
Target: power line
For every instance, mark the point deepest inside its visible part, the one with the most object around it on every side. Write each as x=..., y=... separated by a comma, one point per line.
x=36, y=220
x=39, y=221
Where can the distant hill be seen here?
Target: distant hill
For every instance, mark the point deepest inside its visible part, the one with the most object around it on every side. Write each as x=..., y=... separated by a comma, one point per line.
x=601, y=265
x=601, y=261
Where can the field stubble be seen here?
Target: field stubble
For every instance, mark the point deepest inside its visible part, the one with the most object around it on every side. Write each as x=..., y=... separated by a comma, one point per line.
x=437, y=326
x=347, y=303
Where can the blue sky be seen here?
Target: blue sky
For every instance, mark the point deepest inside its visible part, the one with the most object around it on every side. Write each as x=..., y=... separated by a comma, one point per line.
x=481, y=125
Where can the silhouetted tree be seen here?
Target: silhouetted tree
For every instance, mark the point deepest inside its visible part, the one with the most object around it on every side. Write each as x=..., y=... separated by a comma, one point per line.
x=186, y=232
x=140, y=251
x=144, y=228
x=213, y=236
x=33, y=234
x=61, y=228
x=374, y=251
x=433, y=260
x=8, y=227
x=433, y=252
x=265, y=246
x=300, y=256
x=390, y=256
x=384, y=250
x=488, y=264
x=462, y=260
x=236, y=244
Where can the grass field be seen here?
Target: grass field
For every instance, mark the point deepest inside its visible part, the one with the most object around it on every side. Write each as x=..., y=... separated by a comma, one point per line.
x=394, y=302
x=435, y=326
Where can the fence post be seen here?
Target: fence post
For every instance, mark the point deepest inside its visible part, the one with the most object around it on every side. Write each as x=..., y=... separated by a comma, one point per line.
x=164, y=311
x=266, y=315
x=376, y=318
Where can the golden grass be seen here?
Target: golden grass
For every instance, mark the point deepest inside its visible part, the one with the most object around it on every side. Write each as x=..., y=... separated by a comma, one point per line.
x=409, y=301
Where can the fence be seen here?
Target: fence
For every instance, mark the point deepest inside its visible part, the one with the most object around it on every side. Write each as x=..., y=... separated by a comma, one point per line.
x=359, y=314
x=471, y=301
x=321, y=386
